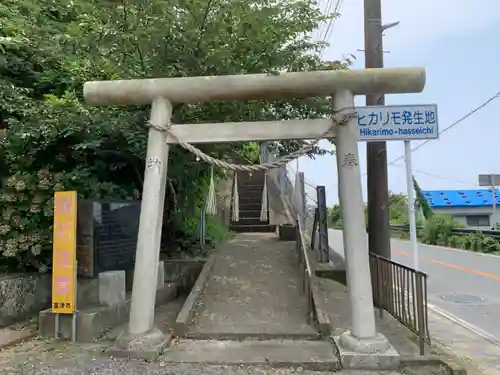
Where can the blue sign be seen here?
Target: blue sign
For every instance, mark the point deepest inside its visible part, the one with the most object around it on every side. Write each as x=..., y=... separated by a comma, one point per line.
x=397, y=122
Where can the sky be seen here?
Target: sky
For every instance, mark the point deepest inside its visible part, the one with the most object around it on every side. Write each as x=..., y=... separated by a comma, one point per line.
x=457, y=42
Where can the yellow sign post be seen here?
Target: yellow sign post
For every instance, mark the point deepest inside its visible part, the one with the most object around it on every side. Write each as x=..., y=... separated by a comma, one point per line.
x=64, y=255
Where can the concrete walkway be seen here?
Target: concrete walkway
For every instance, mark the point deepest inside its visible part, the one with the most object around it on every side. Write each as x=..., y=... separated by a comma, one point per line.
x=253, y=292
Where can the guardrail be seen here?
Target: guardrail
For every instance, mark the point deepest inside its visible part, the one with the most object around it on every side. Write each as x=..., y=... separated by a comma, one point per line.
x=305, y=270
x=402, y=292
x=457, y=231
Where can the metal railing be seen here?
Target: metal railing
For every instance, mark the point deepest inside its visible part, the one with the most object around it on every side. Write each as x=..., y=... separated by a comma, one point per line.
x=457, y=231
x=312, y=204
x=402, y=292
x=305, y=270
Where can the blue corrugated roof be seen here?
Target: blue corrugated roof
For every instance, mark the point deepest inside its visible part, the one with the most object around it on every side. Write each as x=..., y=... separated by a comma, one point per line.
x=461, y=198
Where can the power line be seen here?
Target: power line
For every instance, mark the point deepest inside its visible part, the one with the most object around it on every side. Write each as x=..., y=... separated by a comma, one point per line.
x=497, y=95
x=324, y=31
x=441, y=177
x=331, y=23
x=326, y=9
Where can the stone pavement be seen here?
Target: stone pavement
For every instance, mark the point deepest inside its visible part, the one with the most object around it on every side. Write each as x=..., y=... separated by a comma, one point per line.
x=254, y=291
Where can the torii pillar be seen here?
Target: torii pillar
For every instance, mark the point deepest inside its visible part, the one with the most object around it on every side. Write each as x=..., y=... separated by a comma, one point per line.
x=362, y=346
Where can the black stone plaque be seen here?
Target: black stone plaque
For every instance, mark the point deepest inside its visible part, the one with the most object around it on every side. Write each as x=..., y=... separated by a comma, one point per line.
x=107, y=236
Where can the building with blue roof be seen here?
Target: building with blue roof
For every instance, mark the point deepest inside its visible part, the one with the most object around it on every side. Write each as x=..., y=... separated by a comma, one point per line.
x=472, y=208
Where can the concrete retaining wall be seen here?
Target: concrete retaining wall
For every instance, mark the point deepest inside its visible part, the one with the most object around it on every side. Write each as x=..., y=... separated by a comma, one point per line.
x=177, y=278
x=23, y=295
x=183, y=272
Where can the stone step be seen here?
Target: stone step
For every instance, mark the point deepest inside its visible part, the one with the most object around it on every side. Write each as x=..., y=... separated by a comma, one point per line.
x=254, y=187
x=245, y=199
x=310, y=355
x=250, y=221
x=252, y=194
x=250, y=206
x=253, y=228
x=250, y=214
x=254, y=179
x=251, y=188
x=202, y=335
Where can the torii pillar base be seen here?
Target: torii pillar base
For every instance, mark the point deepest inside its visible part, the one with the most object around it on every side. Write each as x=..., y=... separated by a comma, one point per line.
x=374, y=353
x=148, y=346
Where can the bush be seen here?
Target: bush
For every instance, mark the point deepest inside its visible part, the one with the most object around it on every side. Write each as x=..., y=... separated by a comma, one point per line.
x=457, y=242
x=481, y=243
x=438, y=230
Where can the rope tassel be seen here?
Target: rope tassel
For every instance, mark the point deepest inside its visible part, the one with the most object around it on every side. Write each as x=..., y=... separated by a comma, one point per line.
x=211, y=205
x=236, y=199
x=263, y=208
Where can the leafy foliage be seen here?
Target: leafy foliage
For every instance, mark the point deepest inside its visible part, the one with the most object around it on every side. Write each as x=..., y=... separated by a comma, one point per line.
x=335, y=216
x=439, y=229
x=50, y=141
x=398, y=209
x=421, y=201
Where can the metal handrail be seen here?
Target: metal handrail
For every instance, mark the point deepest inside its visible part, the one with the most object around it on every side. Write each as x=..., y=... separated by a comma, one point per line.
x=402, y=292
x=303, y=247
x=460, y=231
x=306, y=270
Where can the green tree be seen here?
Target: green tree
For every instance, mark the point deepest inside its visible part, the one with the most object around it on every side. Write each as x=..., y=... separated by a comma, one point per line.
x=398, y=209
x=335, y=216
x=51, y=141
x=422, y=202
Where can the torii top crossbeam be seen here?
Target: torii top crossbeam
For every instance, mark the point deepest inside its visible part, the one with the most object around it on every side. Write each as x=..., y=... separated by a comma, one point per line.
x=255, y=86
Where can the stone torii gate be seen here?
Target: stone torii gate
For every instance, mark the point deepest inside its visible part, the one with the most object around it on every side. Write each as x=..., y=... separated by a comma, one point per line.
x=142, y=336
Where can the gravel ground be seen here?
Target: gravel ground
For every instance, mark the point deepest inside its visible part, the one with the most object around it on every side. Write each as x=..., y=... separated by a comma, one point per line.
x=123, y=367
x=46, y=357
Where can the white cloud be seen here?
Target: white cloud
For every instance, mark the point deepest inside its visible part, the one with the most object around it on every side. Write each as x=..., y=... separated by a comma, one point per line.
x=422, y=22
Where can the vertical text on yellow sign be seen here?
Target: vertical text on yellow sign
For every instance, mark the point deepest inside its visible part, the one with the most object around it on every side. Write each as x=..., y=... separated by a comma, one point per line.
x=64, y=253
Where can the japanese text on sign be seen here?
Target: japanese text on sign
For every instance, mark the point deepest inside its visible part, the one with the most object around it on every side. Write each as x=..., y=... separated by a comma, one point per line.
x=385, y=123
x=64, y=253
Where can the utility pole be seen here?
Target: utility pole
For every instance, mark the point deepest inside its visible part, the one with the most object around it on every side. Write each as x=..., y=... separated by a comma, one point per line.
x=376, y=152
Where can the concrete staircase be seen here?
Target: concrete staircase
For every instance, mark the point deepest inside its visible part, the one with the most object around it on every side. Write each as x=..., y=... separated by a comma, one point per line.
x=250, y=188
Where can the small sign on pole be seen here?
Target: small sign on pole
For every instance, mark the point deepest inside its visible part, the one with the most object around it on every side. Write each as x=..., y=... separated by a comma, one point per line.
x=492, y=180
x=400, y=123
x=64, y=268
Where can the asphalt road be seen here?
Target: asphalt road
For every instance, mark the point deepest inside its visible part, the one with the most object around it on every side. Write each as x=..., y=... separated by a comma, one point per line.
x=464, y=284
